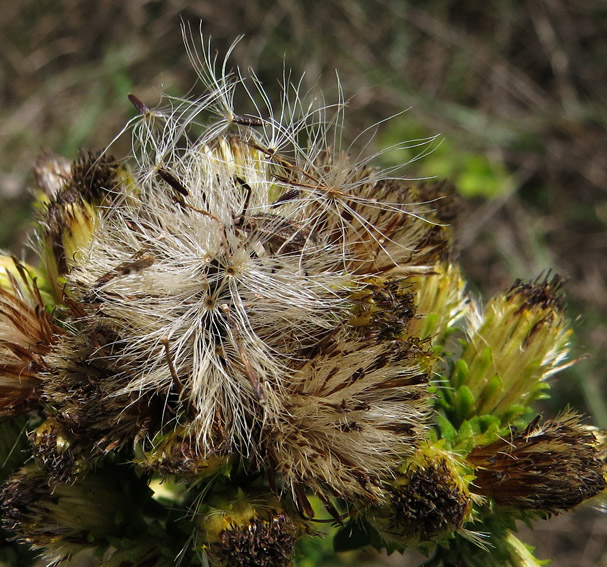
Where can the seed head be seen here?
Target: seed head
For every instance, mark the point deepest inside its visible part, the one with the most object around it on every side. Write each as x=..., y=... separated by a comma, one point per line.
x=353, y=411
x=247, y=287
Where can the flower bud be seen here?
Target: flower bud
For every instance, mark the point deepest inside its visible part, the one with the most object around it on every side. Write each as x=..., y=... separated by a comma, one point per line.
x=440, y=302
x=519, y=341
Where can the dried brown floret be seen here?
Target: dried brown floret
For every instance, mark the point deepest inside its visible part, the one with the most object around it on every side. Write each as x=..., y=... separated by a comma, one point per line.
x=384, y=308
x=27, y=333
x=551, y=466
x=431, y=503
x=95, y=176
x=428, y=499
x=260, y=542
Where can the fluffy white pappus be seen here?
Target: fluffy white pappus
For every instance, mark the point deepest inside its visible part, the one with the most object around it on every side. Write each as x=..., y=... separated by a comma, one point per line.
x=297, y=151
x=354, y=411
x=211, y=294
x=233, y=251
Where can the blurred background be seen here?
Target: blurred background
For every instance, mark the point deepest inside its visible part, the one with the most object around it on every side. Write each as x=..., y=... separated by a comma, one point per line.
x=516, y=89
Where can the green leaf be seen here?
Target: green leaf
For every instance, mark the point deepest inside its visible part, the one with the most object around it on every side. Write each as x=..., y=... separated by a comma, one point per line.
x=493, y=386
x=489, y=424
x=465, y=434
x=447, y=431
x=460, y=374
x=481, y=178
x=464, y=403
x=515, y=412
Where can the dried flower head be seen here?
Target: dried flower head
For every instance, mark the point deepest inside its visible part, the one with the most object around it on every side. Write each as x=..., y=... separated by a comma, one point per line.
x=58, y=452
x=67, y=519
x=248, y=531
x=69, y=195
x=27, y=332
x=550, y=466
x=248, y=285
x=429, y=499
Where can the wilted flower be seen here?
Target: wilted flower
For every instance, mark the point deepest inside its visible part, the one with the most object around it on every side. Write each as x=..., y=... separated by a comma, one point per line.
x=66, y=520
x=27, y=332
x=69, y=195
x=352, y=412
x=247, y=531
x=57, y=452
x=549, y=467
x=429, y=498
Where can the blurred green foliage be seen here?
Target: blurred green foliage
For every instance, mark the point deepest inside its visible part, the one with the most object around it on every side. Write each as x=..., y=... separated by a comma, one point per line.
x=474, y=173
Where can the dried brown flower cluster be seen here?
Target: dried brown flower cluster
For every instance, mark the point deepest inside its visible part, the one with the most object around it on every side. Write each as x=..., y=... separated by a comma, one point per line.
x=243, y=329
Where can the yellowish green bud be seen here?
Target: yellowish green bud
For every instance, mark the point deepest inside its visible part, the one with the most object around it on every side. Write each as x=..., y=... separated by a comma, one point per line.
x=519, y=341
x=22, y=280
x=440, y=303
